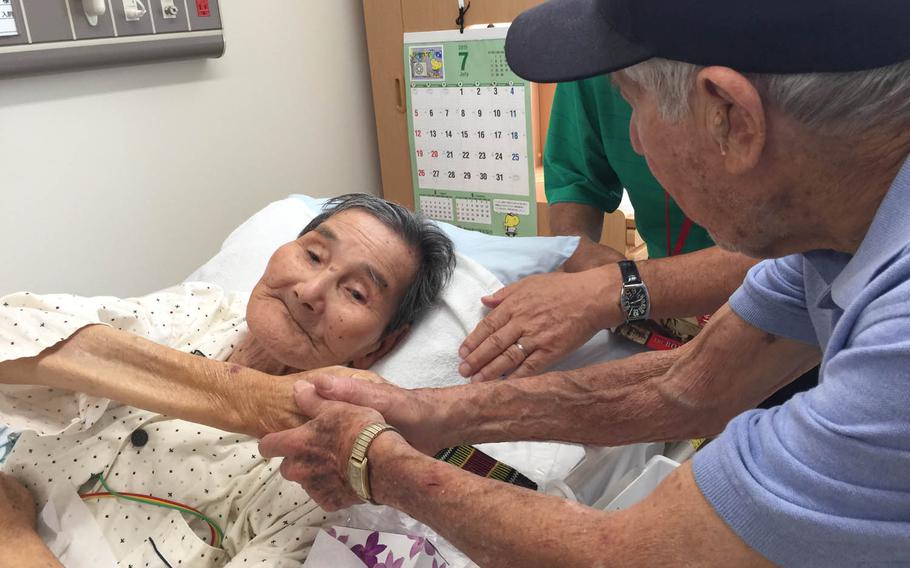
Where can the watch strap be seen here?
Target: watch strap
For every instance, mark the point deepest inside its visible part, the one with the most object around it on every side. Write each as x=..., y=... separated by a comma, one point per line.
x=629, y=272
x=358, y=466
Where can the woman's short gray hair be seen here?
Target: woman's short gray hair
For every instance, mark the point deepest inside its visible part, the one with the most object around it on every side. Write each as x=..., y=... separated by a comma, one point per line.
x=833, y=104
x=432, y=248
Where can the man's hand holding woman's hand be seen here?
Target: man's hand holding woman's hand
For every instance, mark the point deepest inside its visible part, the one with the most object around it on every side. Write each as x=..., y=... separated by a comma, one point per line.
x=267, y=405
x=316, y=454
x=339, y=407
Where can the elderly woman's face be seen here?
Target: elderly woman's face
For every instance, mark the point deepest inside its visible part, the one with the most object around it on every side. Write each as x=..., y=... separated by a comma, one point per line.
x=326, y=298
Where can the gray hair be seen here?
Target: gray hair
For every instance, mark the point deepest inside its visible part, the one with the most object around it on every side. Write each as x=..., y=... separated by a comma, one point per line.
x=832, y=104
x=432, y=247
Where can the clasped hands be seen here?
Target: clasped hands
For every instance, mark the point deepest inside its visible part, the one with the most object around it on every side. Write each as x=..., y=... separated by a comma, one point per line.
x=339, y=403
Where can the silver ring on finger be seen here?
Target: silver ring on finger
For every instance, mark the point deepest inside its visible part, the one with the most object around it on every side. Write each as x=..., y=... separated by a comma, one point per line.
x=522, y=349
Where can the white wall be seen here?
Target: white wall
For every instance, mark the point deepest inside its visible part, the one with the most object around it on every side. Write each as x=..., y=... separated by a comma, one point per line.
x=121, y=181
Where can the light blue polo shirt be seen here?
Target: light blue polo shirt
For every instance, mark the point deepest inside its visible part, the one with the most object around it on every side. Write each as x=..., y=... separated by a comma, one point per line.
x=824, y=480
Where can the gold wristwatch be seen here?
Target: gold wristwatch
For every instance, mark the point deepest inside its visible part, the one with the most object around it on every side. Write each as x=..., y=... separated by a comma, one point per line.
x=358, y=471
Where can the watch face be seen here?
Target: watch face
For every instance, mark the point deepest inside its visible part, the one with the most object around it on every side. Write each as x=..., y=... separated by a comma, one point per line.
x=635, y=302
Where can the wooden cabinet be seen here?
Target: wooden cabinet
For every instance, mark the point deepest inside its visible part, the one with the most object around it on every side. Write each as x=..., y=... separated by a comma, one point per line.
x=386, y=23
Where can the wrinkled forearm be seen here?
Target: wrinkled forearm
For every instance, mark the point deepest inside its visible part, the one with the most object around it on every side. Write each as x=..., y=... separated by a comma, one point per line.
x=693, y=284
x=609, y=404
x=487, y=525
x=689, y=392
x=503, y=525
x=107, y=363
x=680, y=286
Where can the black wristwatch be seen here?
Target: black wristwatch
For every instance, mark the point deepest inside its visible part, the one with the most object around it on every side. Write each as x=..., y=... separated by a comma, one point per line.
x=634, y=299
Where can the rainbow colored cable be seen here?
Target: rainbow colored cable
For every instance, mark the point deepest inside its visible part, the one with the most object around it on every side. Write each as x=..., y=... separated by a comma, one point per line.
x=217, y=535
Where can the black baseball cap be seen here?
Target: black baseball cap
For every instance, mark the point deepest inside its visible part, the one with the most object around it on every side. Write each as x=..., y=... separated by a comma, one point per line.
x=566, y=40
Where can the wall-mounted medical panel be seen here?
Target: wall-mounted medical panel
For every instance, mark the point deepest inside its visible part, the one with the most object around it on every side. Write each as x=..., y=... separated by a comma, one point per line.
x=57, y=35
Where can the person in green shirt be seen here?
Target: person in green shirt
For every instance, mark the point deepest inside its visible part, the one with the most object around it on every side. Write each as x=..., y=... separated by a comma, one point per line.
x=588, y=159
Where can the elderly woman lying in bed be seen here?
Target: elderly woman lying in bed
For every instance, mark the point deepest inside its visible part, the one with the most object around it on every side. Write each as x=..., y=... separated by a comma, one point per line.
x=343, y=293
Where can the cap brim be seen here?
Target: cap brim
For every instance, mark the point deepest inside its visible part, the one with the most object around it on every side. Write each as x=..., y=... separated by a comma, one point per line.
x=567, y=40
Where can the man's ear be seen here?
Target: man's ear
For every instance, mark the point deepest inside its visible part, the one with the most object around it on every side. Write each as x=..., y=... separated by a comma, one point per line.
x=385, y=345
x=734, y=117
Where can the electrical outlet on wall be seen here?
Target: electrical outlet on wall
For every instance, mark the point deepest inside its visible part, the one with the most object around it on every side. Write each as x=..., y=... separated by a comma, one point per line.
x=169, y=10
x=133, y=10
x=93, y=9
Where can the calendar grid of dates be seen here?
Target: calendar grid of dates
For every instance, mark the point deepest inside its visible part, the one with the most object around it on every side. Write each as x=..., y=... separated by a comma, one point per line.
x=471, y=139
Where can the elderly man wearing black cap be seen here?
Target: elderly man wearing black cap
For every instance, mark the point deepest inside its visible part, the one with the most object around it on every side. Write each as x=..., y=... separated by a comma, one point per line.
x=782, y=127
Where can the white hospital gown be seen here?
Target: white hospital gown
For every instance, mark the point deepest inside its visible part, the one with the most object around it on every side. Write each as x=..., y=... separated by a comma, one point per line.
x=68, y=437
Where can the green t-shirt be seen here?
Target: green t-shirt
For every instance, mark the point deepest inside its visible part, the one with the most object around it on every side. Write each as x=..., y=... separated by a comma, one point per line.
x=589, y=158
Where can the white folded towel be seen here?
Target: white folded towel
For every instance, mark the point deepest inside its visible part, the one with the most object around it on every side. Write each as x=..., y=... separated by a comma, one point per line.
x=428, y=357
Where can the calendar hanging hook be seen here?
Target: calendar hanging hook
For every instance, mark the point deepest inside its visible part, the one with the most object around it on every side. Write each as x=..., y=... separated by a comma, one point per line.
x=462, y=10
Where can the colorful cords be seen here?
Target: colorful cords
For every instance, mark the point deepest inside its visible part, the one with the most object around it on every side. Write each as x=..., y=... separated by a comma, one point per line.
x=217, y=535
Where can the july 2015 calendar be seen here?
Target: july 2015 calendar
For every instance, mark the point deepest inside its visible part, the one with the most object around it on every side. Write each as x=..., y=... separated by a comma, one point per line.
x=470, y=132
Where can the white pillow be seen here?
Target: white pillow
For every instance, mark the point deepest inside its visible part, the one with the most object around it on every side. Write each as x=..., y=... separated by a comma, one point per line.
x=428, y=356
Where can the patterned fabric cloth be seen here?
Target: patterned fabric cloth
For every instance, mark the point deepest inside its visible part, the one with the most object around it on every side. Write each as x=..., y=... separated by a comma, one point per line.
x=471, y=459
x=68, y=437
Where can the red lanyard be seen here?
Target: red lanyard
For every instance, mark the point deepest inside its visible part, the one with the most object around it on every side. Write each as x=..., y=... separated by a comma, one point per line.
x=683, y=232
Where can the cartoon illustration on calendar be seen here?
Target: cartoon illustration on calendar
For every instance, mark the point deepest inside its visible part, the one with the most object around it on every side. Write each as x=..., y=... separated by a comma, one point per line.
x=427, y=63
x=470, y=132
x=511, y=222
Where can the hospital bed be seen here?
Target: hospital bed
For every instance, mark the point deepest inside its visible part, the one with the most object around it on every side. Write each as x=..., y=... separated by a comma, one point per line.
x=608, y=478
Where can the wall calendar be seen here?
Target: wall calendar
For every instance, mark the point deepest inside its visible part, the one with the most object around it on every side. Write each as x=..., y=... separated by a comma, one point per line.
x=470, y=132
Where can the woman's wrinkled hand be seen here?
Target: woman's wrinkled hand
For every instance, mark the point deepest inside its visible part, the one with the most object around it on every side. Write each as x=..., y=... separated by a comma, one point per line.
x=340, y=371
x=271, y=406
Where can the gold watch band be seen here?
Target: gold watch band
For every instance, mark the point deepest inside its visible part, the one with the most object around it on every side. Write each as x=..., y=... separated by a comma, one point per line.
x=358, y=466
